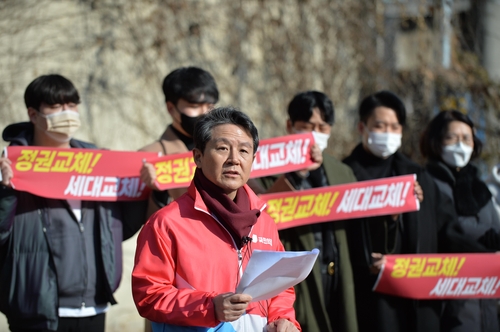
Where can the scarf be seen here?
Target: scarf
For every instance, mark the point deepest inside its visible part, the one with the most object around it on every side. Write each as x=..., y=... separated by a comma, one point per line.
x=235, y=216
x=469, y=192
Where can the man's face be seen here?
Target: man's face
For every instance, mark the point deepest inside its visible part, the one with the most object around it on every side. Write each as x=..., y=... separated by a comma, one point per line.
x=227, y=159
x=191, y=110
x=382, y=120
x=47, y=109
x=315, y=123
x=52, y=126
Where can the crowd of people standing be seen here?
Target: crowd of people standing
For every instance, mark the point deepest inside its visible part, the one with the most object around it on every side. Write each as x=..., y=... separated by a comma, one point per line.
x=60, y=260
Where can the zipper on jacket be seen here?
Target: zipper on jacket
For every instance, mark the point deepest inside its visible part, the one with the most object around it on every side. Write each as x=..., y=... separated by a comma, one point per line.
x=240, y=257
x=85, y=268
x=240, y=263
x=44, y=229
x=85, y=265
x=238, y=251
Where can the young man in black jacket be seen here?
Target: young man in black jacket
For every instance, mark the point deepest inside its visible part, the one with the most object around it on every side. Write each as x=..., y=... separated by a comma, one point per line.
x=325, y=300
x=189, y=93
x=60, y=260
x=432, y=229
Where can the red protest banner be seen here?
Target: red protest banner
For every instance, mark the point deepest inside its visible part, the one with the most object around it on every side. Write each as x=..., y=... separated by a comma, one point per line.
x=354, y=200
x=283, y=154
x=274, y=156
x=98, y=175
x=440, y=276
x=174, y=171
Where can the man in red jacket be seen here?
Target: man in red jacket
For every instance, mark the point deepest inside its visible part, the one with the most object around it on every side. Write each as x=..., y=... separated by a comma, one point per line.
x=191, y=254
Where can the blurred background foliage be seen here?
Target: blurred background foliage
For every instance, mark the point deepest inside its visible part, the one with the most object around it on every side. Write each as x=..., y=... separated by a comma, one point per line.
x=436, y=54
x=261, y=52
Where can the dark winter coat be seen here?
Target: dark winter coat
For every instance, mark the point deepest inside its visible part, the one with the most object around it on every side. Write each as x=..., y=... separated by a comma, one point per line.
x=478, y=314
x=325, y=299
x=29, y=294
x=432, y=229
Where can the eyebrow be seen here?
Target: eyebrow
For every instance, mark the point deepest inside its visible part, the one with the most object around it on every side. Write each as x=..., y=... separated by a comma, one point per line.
x=387, y=123
x=316, y=123
x=225, y=140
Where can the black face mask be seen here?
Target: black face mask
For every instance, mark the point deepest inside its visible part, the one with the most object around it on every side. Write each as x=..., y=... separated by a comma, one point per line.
x=188, y=122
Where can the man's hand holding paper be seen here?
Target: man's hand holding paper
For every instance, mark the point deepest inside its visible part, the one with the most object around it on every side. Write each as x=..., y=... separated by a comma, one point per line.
x=269, y=273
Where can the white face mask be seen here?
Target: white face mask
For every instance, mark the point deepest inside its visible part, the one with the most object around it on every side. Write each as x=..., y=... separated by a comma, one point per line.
x=457, y=155
x=60, y=126
x=383, y=145
x=321, y=139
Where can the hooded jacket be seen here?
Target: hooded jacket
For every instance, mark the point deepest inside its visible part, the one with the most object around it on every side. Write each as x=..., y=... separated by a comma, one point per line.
x=185, y=257
x=30, y=291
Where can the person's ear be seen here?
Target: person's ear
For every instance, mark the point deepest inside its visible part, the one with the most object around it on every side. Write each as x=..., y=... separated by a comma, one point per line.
x=197, y=157
x=361, y=127
x=289, y=127
x=32, y=114
x=170, y=108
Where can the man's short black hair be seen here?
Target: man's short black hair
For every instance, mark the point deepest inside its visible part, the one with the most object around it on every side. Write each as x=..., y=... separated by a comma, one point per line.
x=384, y=99
x=302, y=105
x=50, y=89
x=431, y=141
x=192, y=84
x=220, y=116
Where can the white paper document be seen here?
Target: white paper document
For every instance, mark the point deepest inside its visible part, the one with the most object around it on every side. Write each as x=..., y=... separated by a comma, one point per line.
x=269, y=273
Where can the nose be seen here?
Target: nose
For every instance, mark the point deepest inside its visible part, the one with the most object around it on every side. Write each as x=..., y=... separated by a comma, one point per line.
x=233, y=157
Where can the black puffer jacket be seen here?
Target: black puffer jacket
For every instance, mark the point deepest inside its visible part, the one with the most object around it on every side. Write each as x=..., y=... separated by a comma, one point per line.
x=29, y=294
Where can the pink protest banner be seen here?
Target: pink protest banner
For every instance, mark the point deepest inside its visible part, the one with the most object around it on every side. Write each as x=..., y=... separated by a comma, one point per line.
x=274, y=156
x=283, y=154
x=440, y=276
x=385, y=196
x=97, y=175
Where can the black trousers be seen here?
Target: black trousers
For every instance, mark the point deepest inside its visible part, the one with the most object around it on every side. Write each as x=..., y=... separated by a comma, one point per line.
x=76, y=324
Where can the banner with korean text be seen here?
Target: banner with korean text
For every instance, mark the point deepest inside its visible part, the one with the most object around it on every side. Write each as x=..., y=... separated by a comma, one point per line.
x=440, y=276
x=385, y=196
x=104, y=175
x=98, y=175
x=274, y=156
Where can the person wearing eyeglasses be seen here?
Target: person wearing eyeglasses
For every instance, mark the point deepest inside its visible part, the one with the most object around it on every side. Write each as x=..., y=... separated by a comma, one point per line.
x=450, y=144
